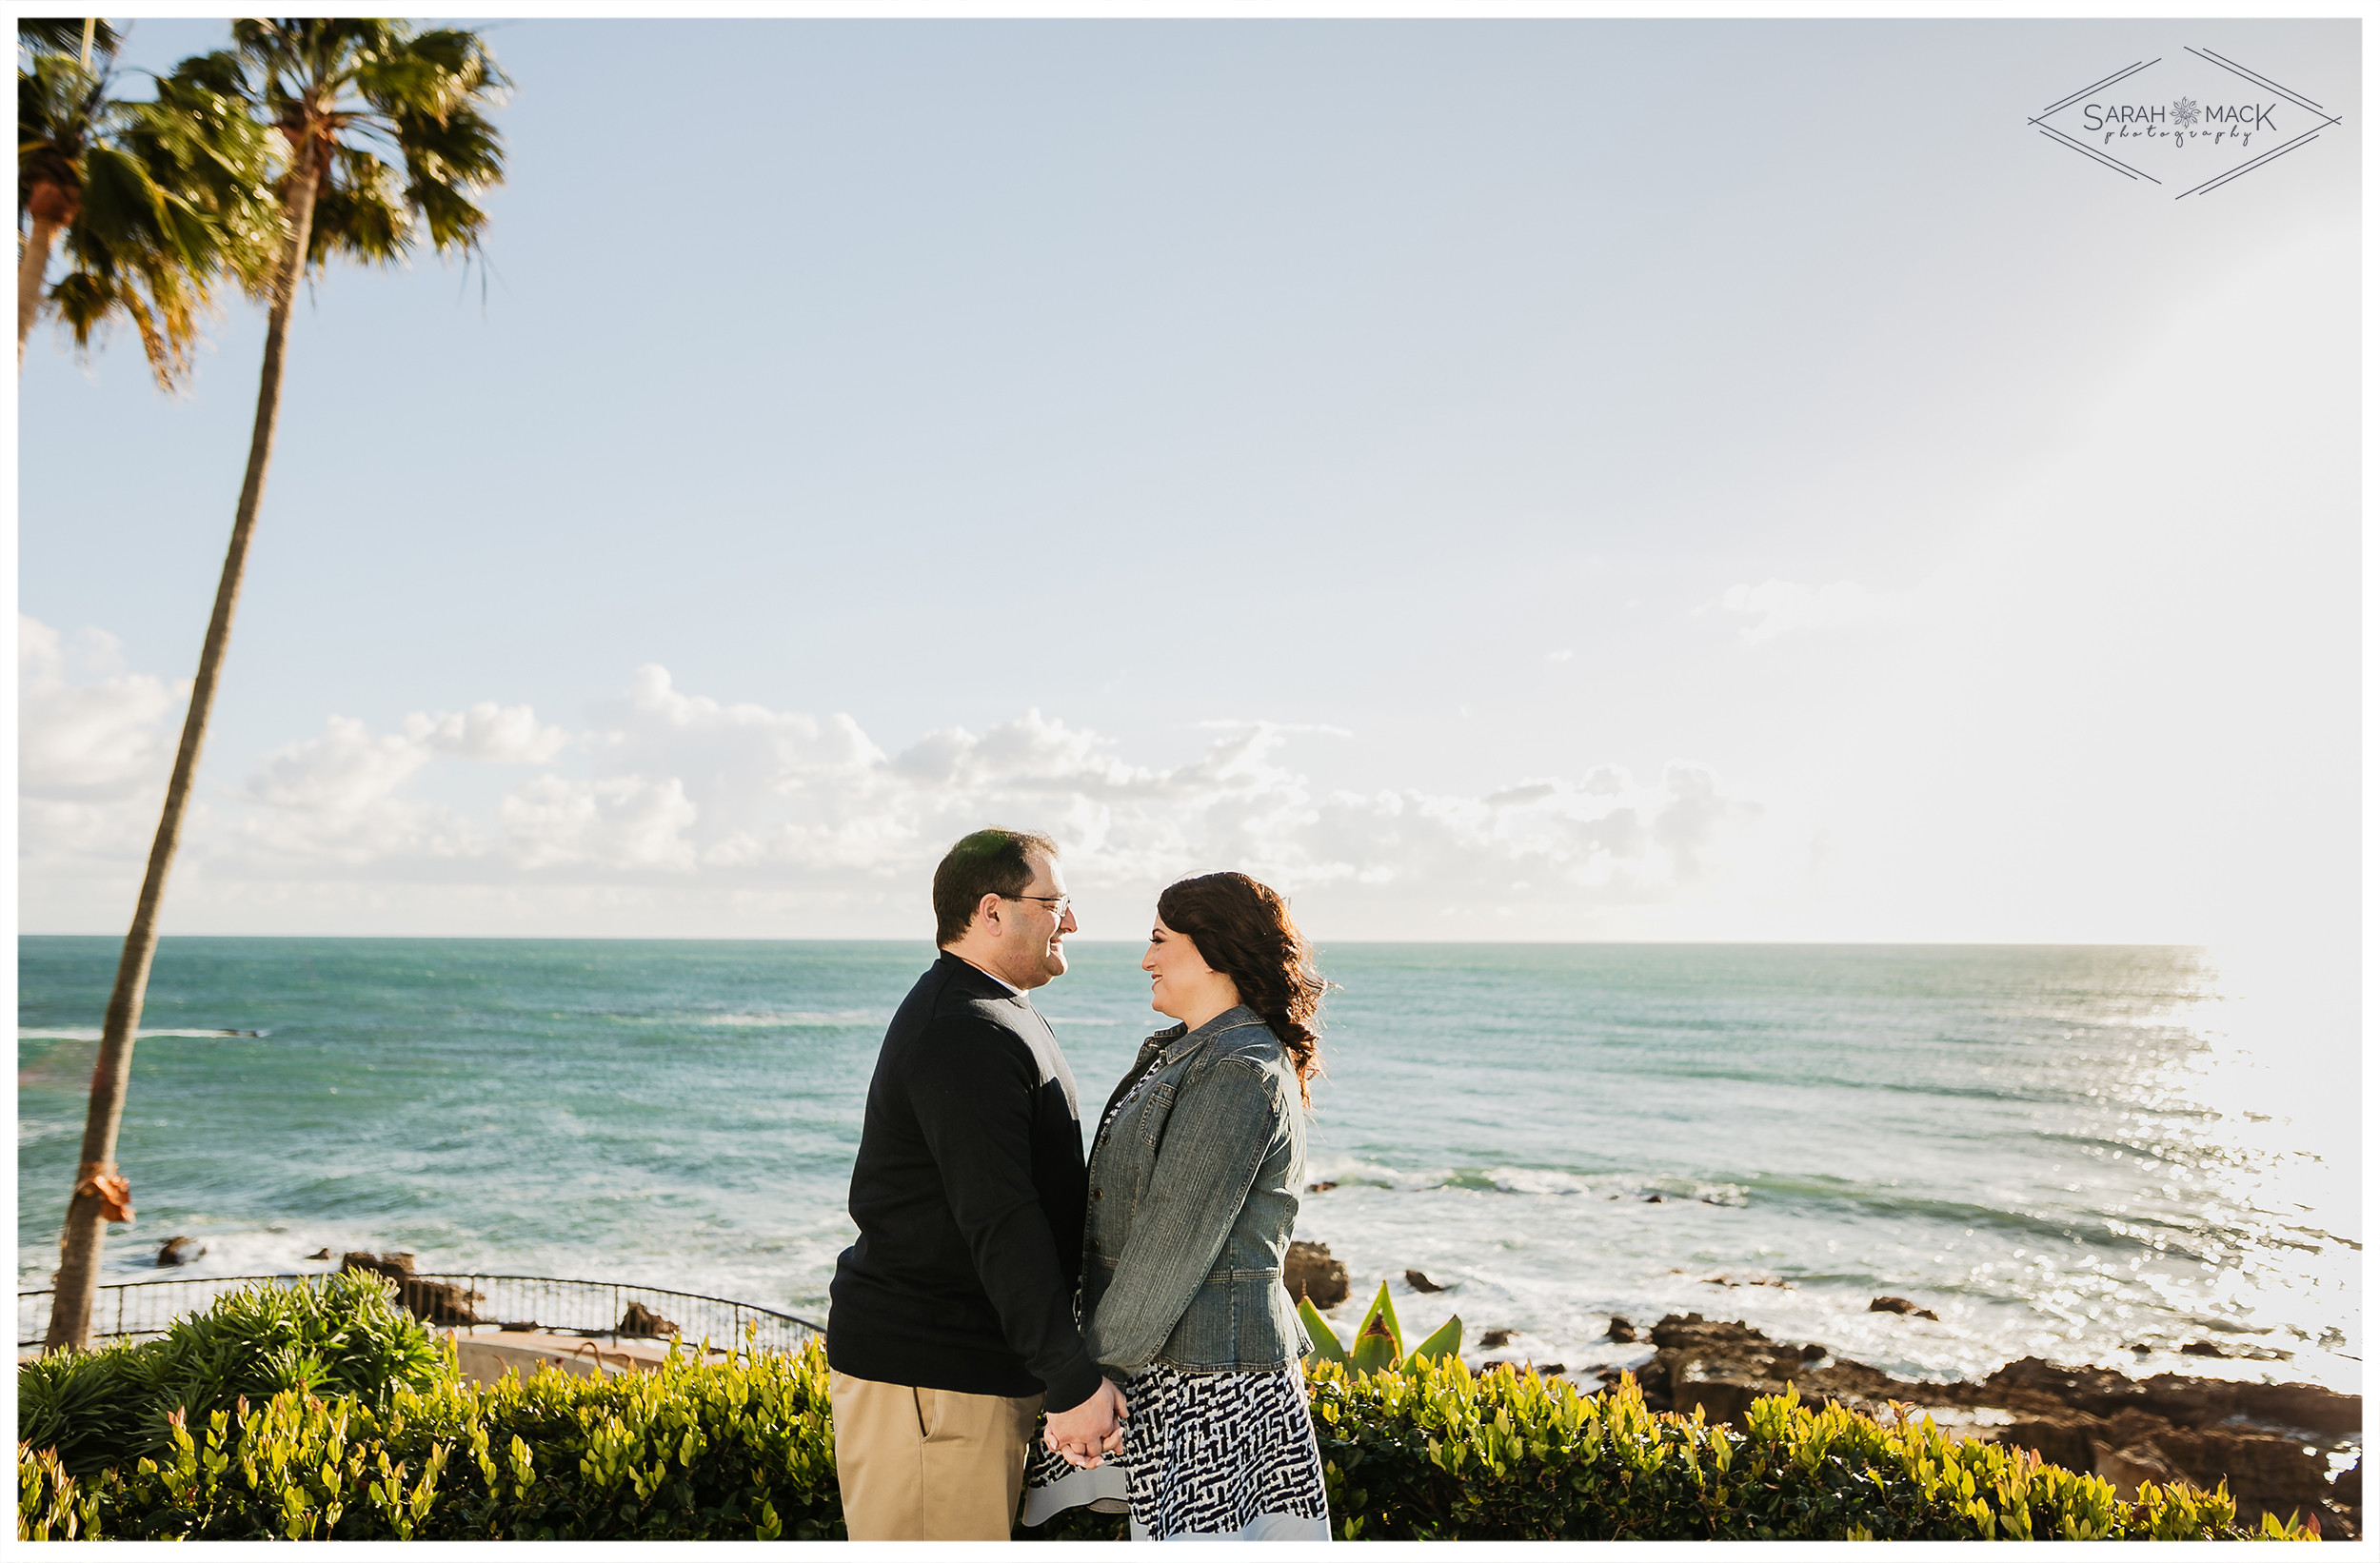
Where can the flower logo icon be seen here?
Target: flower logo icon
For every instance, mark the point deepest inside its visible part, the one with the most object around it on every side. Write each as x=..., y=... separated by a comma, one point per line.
x=2185, y=112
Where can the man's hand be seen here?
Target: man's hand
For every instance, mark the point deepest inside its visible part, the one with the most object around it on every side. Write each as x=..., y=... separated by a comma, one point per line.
x=1091, y=1429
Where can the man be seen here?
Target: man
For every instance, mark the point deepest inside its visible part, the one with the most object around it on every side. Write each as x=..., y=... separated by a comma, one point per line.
x=952, y=1319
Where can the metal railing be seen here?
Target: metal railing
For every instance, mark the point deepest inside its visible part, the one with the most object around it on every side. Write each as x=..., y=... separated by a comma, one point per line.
x=467, y=1301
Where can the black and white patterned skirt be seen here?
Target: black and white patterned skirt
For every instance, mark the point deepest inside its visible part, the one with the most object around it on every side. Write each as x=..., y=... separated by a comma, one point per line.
x=1207, y=1454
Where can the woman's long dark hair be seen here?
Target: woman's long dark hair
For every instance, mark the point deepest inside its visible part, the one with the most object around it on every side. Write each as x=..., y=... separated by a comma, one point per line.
x=1243, y=929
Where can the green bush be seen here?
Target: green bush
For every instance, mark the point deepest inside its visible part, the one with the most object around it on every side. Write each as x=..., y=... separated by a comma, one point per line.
x=696, y=1450
x=706, y=1448
x=343, y=1336
x=1437, y=1452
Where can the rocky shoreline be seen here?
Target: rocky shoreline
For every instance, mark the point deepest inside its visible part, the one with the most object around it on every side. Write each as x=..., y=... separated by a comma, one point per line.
x=2270, y=1442
x=2266, y=1440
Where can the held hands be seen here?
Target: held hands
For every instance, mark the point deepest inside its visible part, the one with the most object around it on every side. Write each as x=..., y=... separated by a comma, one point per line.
x=1090, y=1430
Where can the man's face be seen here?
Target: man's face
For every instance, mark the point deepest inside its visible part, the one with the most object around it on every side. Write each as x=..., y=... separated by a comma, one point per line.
x=1034, y=927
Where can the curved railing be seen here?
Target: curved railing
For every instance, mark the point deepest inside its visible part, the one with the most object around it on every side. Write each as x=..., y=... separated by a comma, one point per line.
x=464, y=1299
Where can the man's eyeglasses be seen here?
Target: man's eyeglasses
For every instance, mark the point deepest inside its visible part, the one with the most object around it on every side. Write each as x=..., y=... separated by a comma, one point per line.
x=1055, y=904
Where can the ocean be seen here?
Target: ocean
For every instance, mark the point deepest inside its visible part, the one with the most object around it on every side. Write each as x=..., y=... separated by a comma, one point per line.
x=2077, y=1153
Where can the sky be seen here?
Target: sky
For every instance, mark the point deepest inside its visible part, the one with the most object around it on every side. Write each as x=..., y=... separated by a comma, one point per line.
x=1701, y=479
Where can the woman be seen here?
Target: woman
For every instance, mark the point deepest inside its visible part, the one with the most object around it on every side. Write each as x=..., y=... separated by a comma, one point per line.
x=1195, y=1176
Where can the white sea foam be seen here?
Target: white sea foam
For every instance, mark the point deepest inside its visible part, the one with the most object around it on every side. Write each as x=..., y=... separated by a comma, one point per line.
x=91, y=1034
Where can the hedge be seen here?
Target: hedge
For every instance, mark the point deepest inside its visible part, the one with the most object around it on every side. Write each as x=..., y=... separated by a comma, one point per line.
x=342, y=1338
x=706, y=1448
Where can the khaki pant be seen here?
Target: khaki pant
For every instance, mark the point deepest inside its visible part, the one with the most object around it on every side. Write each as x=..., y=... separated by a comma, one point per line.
x=928, y=1465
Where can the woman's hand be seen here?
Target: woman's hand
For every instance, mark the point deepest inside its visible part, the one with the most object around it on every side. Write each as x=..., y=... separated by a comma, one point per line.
x=1090, y=1430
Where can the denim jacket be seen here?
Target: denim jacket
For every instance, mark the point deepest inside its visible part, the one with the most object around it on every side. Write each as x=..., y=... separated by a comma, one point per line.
x=1194, y=1192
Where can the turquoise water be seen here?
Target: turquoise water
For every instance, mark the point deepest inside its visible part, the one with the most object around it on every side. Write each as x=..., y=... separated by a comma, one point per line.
x=2067, y=1151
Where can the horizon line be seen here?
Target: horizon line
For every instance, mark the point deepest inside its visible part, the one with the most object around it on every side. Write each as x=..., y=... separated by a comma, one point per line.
x=1699, y=943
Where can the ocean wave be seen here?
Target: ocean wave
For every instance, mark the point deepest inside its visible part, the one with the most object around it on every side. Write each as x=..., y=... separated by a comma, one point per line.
x=91, y=1034
x=1520, y=1180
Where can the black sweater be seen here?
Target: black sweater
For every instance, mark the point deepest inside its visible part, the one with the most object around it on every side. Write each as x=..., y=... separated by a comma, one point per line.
x=969, y=1191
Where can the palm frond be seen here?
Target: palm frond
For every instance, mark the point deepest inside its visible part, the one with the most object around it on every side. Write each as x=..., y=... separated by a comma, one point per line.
x=362, y=212
x=375, y=94
x=64, y=35
x=161, y=198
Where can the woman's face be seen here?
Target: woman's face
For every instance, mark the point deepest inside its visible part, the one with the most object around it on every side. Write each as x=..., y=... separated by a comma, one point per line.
x=1182, y=983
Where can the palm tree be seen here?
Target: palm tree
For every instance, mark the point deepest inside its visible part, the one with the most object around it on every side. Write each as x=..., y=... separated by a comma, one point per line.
x=154, y=201
x=346, y=95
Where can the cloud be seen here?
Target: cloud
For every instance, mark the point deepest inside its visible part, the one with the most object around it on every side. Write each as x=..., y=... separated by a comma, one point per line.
x=502, y=734
x=620, y=822
x=729, y=811
x=1778, y=607
x=348, y=770
x=86, y=730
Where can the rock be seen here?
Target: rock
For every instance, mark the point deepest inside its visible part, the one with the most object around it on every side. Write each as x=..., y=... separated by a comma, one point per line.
x=2202, y=1348
x=438, y=1302
x=2347, y=1488
x=1903, y=1306
x=2030, y=1383
x=1494, y=1338
x=1654, y=1199
x=1812, y=1352
x=641, y=1320
x=395, y=1266
x=2061, y=1439
x=1721, y=1395
x=1321, y=1188
x=2125, y=1468
x=433, y=1302
x=1547, y=1370
x=1312, y=1273
x=1420, y=1282
x=2268, y=1474
x=1621, y=1330
x=319, y=1254
x=179, y=1251
x=1692, y=1330
x=2309, y=1406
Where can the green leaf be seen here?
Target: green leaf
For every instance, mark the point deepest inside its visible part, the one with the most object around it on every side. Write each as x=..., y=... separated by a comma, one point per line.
x=1381, y=1318
x=1446, y=1340
x=1373, y=1353
x=1326, y=1346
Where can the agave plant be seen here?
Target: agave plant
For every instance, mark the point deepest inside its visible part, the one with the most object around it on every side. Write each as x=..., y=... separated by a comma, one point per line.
x=1379, y=1340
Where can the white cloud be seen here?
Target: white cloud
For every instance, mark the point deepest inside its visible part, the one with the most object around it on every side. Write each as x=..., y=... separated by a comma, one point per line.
x=1777, y=607
x=742, y=807
x=620, y=822
x=86, y=730
x=348, y=770
x=95, y=749
x=504, y=734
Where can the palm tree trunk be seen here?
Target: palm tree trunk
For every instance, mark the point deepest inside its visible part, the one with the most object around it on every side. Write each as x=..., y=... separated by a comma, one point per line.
x=86, y=1217
x=30, y=272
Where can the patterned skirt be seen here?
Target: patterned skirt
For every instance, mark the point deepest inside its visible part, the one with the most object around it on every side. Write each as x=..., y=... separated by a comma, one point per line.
x=1206, y=1454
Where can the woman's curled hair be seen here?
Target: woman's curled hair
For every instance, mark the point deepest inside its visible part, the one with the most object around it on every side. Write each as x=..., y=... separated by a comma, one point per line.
x=1243, y=929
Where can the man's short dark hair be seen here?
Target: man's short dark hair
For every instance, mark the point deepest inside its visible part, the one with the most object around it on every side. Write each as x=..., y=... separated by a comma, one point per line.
x=988, y=862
